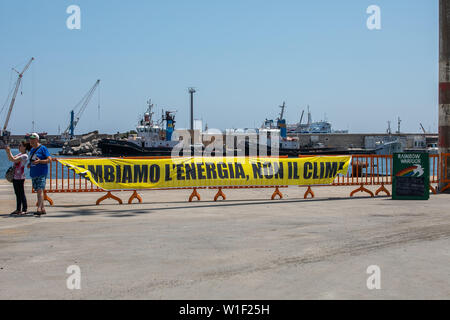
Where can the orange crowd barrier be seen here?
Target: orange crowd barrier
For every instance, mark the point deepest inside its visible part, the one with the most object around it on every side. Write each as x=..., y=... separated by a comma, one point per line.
x=365, y=171
x=377, y=170
x=445, y=174
x=64, y=180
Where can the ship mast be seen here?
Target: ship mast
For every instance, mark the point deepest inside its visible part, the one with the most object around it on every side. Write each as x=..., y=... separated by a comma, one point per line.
x=150, y=111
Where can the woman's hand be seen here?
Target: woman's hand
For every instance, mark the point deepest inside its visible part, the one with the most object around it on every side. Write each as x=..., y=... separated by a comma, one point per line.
x=36, y=161
x=9, y=154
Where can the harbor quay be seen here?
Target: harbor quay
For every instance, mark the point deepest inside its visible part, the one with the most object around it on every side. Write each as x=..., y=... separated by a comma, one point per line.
x=247, y=247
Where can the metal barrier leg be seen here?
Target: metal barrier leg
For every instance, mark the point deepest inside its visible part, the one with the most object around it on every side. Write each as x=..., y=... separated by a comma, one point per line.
x=278, y=193
x=309, y=191
x=109, y=195
x=362, y=189
x=382, y=189
x=135, y=195
x=445, y=188
x=194, y=194
x=220, y=194
x=46, y=198
x=433, y=190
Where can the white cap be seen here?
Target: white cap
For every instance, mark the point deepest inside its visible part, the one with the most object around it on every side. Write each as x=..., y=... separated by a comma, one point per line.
x=34, y=135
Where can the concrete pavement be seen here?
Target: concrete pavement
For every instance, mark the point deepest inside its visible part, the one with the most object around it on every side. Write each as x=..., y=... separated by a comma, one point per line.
x=247, y=247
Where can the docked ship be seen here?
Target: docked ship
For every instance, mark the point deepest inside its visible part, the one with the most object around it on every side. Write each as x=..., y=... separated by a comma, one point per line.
x=157, y=138
x=278, y=127
x=152, y=138
x=309, y=126
x=275, y=130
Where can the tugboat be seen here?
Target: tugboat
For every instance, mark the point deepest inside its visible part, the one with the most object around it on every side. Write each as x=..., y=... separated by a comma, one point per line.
x=151, y=139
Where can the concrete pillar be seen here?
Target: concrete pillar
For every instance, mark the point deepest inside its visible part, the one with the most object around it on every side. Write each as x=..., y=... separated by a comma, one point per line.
x=444, y=80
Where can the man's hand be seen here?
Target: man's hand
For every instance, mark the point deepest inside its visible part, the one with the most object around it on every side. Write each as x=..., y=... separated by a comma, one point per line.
x=36, y=162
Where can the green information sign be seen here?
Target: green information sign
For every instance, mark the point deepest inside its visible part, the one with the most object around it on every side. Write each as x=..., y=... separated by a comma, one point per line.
x=411, y=177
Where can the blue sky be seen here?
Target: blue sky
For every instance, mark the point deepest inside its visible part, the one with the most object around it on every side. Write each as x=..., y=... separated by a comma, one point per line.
x=244, y=57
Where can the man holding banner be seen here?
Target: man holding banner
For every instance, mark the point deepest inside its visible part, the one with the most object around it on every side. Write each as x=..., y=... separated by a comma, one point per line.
x=39, y=160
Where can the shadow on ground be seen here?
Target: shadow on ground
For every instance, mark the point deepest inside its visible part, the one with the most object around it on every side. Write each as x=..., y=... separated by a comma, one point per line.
x=102, y=210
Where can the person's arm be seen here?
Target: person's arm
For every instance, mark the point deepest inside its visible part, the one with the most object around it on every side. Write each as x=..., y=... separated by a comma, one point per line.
x=9, y=154
x=44, y=161
x=47, y=156
x=11, y=158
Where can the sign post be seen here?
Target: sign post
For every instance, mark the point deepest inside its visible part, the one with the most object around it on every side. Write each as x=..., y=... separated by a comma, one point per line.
x=411, y=176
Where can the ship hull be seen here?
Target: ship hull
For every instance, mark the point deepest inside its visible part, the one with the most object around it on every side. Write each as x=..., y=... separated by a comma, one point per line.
x=118, y=148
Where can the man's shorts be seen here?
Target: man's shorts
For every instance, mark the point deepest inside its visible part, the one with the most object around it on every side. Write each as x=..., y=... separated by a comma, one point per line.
x=39, y=182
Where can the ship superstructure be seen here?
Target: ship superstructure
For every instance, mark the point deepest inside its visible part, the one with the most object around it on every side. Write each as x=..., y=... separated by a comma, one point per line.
x=151, y=137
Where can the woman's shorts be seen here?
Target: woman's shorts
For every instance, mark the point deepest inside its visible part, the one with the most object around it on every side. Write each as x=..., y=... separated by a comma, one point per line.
x=39, y=182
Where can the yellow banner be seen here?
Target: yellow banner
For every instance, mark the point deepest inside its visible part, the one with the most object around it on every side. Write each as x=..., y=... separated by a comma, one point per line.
x=131, y=174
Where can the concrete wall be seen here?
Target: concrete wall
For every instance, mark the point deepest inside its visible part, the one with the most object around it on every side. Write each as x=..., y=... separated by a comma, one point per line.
x=353, y=140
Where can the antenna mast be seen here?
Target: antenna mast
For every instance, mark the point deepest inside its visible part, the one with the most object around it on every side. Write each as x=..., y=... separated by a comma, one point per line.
x=399, y=121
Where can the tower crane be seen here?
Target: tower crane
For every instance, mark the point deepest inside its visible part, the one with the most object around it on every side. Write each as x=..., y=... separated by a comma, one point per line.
x=82, y=104
x=4, y=132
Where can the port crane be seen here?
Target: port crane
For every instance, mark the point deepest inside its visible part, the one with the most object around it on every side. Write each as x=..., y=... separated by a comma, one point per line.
x=423, y=129
x=301, y=117
x=283, y=106
x=5, y=134
x=69, y=132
